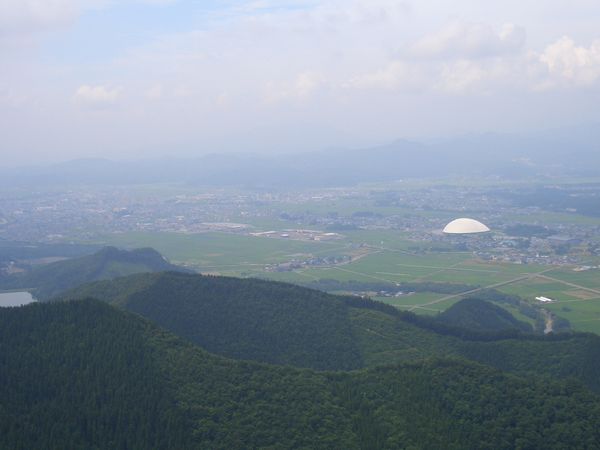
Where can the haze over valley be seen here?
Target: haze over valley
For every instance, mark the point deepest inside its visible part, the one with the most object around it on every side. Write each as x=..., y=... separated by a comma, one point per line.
x=299, y=224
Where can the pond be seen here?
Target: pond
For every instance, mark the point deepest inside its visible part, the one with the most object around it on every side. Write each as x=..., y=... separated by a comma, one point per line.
x=15, y=299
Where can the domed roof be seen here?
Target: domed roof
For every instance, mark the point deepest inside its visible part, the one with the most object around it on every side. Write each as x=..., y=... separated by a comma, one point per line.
x=465, y=226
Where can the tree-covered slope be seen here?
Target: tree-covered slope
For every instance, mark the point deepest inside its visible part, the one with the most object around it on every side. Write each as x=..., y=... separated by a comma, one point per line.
x=51, y=279
x=479, y=315
x=385, y=338
x=86, y=375
x=286, y=324
x=82, y=375
x=241, y=318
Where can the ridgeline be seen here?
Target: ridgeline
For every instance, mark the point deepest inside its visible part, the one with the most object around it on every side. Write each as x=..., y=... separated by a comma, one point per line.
x=284, y=324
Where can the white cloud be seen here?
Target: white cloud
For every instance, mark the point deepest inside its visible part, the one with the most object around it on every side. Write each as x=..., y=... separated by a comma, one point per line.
x=464, y=76
x=570, y=64
x=28, y=16
x=301, y=88
x=97, y=97
x=157, y=2
x=396, y=75
x=155, y=92
x=366, y=12
x=12, y=99
x=470, y=40
x=306, y=83
x=461, y=76
x=364, y=69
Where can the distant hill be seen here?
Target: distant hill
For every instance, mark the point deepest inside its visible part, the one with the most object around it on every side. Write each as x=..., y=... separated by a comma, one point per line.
x=49, y=280
x=479, y=315
x=86, y=375
x=285, y=324
x=567, y=152
x=240, y=318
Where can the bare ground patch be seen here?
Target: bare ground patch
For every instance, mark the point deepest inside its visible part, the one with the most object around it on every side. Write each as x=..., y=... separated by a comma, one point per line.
x=581, y=294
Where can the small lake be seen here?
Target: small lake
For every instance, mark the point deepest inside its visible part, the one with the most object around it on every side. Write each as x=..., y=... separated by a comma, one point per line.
x=15, y=299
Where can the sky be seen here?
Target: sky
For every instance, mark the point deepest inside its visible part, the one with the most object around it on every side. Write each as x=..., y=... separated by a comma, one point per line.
x=135, y=79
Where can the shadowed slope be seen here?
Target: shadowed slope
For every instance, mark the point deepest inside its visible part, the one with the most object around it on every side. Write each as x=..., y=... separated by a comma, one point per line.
x=285, y=324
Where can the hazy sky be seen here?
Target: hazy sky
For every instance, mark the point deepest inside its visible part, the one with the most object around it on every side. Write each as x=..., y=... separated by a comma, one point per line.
x=137, y=78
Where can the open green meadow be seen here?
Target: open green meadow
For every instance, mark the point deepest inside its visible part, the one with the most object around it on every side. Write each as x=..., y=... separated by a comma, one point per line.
x=220, y=252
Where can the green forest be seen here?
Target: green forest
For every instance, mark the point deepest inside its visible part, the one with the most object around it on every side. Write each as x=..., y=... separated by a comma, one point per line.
x=86, y=375
x=122, y=354
x=284, y=324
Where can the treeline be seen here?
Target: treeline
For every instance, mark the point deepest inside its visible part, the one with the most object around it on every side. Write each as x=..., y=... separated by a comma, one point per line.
x=528, y=231
x=330, y=285
x=434, y=324
x=480, y=315
x=560, y=323
x=583, y=199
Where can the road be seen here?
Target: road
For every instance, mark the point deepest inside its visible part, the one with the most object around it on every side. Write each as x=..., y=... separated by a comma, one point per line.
x=491, y=286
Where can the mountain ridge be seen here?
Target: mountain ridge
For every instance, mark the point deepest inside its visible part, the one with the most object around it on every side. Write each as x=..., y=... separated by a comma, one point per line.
x=279, y=323
x=547, y=154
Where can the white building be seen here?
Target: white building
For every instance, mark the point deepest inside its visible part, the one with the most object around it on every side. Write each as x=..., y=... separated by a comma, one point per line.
x=465, y=226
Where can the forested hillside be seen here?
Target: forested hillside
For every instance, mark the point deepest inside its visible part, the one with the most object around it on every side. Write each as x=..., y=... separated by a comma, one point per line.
x=49, y=280
x=241, y=318
x=86, y=375
x=479, y=315
x=82, y=375
x=285, y=324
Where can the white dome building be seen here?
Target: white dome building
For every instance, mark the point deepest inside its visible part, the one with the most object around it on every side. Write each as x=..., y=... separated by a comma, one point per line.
x=465, y=226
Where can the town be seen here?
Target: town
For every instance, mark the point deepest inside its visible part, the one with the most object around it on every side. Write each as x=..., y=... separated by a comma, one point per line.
x=418, y=212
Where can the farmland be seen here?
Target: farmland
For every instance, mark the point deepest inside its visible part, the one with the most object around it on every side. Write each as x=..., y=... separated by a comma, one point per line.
x=576, y=294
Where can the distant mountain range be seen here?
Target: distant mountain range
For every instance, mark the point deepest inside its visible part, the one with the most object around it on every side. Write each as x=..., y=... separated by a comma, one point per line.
x=574, y=151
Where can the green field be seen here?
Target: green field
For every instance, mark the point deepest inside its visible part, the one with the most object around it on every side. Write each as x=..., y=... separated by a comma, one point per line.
x=220, y=252
x=379, y=256
x=419, y=302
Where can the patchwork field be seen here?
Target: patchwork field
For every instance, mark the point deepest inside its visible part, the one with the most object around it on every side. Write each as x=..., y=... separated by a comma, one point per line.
x=379, y=256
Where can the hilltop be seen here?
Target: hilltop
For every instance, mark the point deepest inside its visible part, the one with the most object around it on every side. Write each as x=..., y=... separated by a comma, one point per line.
x=480, y=315
x=49, y=280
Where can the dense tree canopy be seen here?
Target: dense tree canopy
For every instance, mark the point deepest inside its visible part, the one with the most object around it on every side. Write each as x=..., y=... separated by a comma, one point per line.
x=86, y=375
x=285, y=324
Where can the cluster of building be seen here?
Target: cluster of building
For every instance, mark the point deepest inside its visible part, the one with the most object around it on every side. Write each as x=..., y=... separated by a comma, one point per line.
x=299, y=235
x=418, y=214
x=295, y=264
